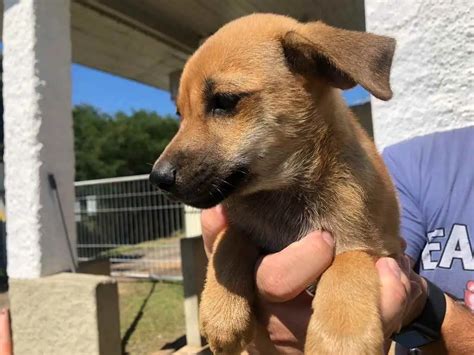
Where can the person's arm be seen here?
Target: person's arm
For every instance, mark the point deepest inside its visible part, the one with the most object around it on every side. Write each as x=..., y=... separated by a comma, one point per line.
x=457, y=331
x=404, y=164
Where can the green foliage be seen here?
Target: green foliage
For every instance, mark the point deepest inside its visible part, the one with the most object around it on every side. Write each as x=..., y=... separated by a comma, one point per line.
x=120, y=145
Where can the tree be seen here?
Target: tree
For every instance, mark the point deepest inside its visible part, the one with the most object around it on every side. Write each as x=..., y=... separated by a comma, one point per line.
x=120, y=145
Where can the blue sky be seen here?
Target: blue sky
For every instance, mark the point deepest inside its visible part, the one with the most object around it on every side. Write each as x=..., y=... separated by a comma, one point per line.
x=111, y=93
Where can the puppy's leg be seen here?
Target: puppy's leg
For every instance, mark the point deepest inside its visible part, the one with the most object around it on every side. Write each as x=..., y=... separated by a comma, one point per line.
x=225, y=312
x=346, y=317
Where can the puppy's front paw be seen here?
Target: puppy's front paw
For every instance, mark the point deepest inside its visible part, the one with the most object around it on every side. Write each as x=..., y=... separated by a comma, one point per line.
x=226, y=322
x=346, y=317
x=321, y=340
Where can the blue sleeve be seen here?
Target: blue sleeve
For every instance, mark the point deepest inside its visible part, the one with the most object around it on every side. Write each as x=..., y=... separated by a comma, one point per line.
x=403, y=164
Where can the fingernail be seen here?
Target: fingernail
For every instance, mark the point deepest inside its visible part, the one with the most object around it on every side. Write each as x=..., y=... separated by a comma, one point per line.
x=219, y=209
x=470, y=286
x=393, y=266
x=328, y=238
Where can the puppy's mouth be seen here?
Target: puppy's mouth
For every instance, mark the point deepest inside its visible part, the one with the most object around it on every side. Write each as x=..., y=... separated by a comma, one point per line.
x=215, y=189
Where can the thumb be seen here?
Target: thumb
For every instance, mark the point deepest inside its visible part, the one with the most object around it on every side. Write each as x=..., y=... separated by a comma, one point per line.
x=395, y=288
x=5, y=334
x=213, y=221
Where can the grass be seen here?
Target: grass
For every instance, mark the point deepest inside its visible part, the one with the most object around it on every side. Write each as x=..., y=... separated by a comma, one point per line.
x=151, y=315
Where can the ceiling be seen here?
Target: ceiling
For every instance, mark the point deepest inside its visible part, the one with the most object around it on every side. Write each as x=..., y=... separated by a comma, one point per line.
x=146, y=40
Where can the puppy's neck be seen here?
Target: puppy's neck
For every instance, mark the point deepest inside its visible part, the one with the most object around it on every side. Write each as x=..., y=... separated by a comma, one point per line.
x=318, y=169
x=328, y=144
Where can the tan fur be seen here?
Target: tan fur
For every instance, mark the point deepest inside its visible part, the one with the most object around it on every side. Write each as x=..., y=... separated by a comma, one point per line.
x=227, y=318
x=353, y=327
x=310, y=166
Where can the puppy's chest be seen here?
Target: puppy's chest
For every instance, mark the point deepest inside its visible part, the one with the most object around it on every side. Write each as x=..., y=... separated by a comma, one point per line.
x=273, y=220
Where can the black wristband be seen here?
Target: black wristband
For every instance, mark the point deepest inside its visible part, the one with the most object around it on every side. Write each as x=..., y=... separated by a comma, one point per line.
x=427, y=327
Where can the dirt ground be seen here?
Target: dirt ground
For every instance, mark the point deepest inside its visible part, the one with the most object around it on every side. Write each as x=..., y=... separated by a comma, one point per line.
x=3, y=300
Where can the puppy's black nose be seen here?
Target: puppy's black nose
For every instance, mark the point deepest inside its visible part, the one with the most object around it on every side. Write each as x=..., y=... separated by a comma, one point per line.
x=163, y=176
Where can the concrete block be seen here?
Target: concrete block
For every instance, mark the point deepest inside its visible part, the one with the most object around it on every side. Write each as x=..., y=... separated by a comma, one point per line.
x=65, y=314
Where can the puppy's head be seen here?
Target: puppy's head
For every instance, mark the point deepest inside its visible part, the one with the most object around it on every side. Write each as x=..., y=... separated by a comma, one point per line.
x=250, y=91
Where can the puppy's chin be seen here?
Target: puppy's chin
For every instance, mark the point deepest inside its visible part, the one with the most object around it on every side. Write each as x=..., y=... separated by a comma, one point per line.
x=216, y=190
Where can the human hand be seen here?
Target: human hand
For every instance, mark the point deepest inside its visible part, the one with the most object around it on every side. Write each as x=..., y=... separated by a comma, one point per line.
x=284, y=308
x=469, y=295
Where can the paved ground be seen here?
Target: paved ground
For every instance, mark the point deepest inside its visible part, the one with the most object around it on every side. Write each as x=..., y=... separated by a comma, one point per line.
x=155, y=260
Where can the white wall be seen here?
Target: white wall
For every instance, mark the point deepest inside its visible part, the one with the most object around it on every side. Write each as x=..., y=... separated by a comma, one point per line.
x=38, y=135
x=433, y=71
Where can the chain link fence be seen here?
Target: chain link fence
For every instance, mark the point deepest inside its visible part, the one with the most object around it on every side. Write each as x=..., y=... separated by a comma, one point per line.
x=130, y=223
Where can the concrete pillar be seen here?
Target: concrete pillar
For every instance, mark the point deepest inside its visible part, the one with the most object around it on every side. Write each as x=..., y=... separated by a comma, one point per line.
x=433, y=67
x=65, y=314
x=192, y=221
x=194, y=263
x=38, y=136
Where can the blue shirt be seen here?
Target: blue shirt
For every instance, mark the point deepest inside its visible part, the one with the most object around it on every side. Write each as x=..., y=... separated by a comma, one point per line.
x=434, y=176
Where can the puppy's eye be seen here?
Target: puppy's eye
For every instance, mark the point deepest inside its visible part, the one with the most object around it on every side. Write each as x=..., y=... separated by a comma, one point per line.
x=223, y=104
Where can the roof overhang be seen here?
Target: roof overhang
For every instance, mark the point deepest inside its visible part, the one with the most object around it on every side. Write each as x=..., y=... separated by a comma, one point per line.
x=147, y=40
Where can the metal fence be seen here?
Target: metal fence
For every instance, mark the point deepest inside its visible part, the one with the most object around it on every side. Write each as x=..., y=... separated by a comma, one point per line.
x=130, y=223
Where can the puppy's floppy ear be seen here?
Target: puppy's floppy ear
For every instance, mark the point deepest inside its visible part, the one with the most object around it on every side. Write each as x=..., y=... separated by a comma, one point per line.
x=345, y=58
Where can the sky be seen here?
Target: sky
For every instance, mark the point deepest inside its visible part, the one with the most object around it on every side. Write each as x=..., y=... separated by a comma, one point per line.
x=110, y=93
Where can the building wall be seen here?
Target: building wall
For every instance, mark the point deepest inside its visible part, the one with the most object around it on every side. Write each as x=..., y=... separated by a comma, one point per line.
x=433, y=69
x=39, y=136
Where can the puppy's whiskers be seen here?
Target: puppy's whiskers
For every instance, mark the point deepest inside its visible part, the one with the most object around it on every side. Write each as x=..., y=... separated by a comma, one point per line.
x=226, y=182
x=244, y=172
x=216, y=187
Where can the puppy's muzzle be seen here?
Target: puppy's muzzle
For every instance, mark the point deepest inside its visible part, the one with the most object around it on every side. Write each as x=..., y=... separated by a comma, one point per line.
x=163, y=176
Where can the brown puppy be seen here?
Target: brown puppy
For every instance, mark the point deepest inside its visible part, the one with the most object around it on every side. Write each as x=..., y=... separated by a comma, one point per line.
x=265, y=131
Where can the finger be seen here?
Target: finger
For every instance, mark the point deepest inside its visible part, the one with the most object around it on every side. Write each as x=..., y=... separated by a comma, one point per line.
x=416, y=298
x=395, y=287
x=5, y=334
x=405, y=264
x=470, y=285
x=283, y=275
x=213, y=221
x=469, y=295
x=408, y=279
x=286, y=322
